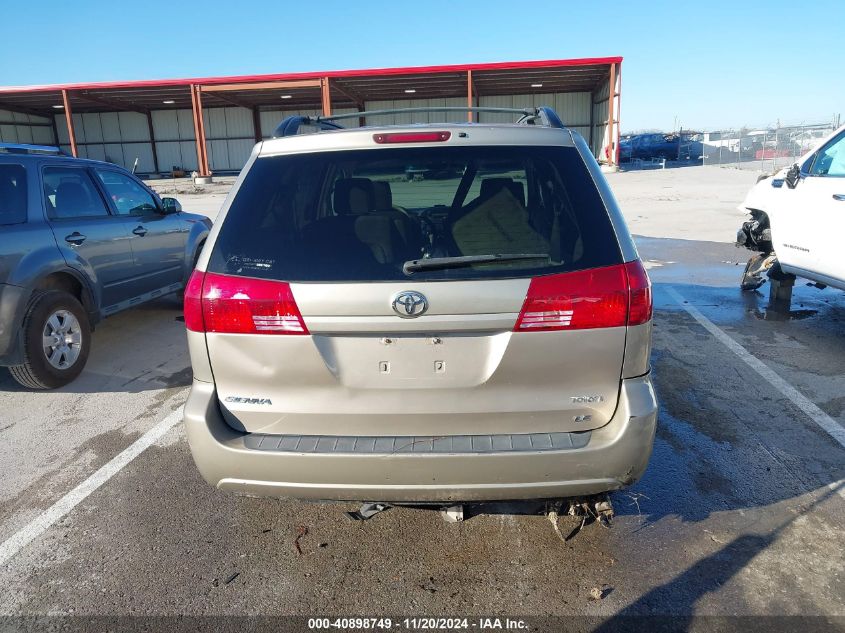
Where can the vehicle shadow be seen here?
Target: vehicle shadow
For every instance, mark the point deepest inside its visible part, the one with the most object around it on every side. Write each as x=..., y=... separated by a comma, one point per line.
x=727, y=439
x=142, y=349
x=681, y=594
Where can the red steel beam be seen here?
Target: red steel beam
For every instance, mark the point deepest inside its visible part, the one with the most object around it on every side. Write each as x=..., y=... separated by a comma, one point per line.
x=204, y=171
x=266, y=85
x=69, y=119
x=611, y=151
x=470, y=114
x=326, y=96
x=196, y=126
x=199, y=131
x=619, y=113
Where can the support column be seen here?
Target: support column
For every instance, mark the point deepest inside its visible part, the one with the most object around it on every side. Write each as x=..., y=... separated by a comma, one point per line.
x=470, y=114
x=256, y=125
x=197, y=141
x=153, y=141
x=199, y=132
x=326, y=96
x=618, y=113
x=55, y=130
x=69, y=119
x=206, y=172
x=610, y=151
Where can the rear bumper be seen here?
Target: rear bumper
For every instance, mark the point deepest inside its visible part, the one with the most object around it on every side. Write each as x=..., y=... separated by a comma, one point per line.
x=615, y=456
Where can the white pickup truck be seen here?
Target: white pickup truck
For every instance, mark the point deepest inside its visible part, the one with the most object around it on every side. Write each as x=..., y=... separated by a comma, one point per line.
x=797, y=222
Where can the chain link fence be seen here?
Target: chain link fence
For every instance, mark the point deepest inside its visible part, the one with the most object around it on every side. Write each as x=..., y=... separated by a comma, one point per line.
x=762, y=149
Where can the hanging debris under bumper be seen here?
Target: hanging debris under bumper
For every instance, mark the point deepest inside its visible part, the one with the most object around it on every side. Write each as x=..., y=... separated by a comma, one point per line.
x=752, y=277
x=756, y=235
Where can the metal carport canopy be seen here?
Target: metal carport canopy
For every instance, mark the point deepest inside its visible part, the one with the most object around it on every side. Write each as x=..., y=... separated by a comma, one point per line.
x=317, y=90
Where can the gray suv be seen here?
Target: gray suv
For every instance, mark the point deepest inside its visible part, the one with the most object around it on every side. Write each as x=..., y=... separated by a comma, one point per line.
x=480, y=331
x=79, y=241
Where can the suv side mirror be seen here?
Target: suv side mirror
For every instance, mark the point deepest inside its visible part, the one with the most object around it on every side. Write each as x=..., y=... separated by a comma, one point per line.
x=793, y=176
x=171, y=205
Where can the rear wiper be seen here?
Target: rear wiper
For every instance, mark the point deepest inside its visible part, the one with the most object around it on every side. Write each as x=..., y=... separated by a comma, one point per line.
x=439, y=263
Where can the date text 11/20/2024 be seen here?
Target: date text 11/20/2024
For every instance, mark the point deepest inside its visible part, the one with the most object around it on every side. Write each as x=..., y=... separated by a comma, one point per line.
x=417, y=624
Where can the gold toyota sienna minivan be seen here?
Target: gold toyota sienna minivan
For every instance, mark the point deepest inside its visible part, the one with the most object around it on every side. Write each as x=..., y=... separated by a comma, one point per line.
x=421, y=314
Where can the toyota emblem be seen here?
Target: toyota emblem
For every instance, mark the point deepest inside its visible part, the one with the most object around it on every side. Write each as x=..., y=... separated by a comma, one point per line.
x=409, y=304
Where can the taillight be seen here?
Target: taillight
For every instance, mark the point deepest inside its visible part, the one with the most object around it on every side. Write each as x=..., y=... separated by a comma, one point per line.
x=613, y=296
x=594, y=298
x=640, y=310
x=193, y=302
x=411, y=137
x=244, y=305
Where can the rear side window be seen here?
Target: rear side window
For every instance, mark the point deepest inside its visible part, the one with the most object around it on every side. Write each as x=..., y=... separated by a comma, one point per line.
x=13, y=198
x=361, y=215
x=129, y=197
x=70, y=193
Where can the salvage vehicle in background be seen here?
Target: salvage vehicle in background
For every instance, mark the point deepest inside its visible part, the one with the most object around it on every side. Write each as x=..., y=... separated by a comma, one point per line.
x=79, y=240
x=797, y=220
x=358, y=335
x=656, y=146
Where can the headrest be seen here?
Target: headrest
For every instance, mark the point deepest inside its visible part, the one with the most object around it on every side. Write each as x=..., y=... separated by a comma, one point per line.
x=383, y=195
x=354, y=196
x=491, y=186
x=72, y=199
x=9, y=194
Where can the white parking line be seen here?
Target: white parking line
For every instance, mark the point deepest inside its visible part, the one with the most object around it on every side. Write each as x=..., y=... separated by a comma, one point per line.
x=51, y=515
x=827, y=423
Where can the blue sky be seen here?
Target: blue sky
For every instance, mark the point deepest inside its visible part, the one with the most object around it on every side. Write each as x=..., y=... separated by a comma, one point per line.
x=709, y=64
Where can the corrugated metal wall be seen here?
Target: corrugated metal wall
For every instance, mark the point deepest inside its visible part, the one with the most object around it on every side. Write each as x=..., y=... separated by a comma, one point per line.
x=174, y=134
x=116, y=137
x=16, y=127
x=419, y=117
x=230, y=137
x=270, y=119
x=600, y=103
x=573, y=108
x=122, y=137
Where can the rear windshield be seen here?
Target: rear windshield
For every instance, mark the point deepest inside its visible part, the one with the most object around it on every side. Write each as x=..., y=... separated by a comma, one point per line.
x=362, y=215
x=12, y=194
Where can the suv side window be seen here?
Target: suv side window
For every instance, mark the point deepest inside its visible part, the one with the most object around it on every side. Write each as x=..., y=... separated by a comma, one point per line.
x=69, y=192
x=12, y=194
x=128, y=196
x=830, y=160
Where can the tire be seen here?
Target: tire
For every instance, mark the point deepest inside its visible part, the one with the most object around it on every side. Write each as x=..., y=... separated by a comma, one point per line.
x=181, y=294
x=47, y=310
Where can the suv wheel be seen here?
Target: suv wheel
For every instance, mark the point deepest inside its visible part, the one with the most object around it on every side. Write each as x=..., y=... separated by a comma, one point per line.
x=57, y=339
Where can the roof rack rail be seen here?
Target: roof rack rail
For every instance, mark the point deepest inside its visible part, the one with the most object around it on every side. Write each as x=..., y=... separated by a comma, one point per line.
x=290, y=126
x=545, y=115
x=23, y=148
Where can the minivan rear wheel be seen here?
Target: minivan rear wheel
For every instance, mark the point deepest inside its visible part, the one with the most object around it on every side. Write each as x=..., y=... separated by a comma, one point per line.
x=56, y=341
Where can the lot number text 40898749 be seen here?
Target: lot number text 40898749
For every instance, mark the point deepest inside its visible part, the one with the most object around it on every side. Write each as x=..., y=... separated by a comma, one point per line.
x=417, y=624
